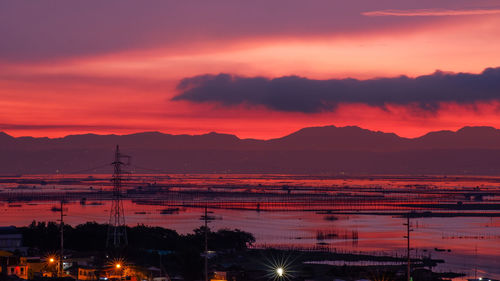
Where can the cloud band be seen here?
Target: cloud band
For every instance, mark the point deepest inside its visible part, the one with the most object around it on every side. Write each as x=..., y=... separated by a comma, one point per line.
x=299, y=94
x=431, y=12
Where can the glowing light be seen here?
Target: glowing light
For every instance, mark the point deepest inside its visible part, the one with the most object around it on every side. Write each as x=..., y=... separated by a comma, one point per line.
x=51, y=260
x=280, y=271
x=280, y=268
x=117, y=264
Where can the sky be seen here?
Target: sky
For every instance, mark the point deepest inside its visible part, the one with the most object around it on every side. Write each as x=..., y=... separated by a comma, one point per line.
x=256, y=69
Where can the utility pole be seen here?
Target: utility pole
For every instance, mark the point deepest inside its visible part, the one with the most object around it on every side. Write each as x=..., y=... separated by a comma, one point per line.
x=161, y=266
x=408, y=246
x=475, y=263
x=61, y=254
x=206, y=243
x=117, y=234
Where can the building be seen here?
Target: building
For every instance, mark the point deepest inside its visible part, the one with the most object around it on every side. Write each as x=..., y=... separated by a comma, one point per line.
x=227, y=276
x=11, y=239
x=19, y=270
x=26, y=267
x=6, y=259
x=219, y=276
x=87, y=273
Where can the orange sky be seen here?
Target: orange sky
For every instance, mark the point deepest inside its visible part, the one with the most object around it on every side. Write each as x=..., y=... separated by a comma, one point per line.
x=129, y=89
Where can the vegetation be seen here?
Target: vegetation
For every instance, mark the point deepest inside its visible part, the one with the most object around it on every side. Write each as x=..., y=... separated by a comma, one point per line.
x=91, y=236
x=180, y=254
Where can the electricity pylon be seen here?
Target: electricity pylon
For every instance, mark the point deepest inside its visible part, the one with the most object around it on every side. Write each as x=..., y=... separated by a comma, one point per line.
x=117, y=232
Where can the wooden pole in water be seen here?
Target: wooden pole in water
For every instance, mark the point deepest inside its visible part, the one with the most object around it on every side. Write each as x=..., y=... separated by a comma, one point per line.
x=408, y=244
x=475, y=263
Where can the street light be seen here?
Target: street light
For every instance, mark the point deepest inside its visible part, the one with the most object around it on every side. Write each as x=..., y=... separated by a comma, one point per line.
x=51, y=263
x=280, y=271
x=118, y=266
x=279, y=268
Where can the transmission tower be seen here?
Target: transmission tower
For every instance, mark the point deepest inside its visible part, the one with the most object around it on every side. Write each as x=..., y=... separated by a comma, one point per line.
x=117, y=233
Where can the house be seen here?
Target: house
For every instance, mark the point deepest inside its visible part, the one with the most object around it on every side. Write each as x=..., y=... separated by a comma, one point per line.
x=19, y=270
x=219, y=276
x=26, y=268
x=227, y=276
x=11, y=239
x=6, y=259
x=87, y=273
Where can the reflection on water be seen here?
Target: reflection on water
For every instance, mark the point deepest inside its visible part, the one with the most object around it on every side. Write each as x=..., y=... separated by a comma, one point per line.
x=356, y=263
x=466, y=244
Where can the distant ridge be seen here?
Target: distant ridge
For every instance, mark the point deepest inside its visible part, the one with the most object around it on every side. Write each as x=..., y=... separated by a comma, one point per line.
x=314, y=150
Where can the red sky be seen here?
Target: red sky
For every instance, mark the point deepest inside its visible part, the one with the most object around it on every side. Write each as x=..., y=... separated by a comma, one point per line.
x=113, y=67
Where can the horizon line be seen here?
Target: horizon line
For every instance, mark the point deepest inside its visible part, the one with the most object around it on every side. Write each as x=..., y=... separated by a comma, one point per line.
x=230, y=134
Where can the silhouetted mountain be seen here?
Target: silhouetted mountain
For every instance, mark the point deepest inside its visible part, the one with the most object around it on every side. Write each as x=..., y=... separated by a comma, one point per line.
x=334, y=138
x=467, y=137
x=315, y=150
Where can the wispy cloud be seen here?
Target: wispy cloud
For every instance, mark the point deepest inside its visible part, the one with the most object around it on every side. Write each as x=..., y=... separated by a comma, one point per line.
x=91, y=127
x=431, y=12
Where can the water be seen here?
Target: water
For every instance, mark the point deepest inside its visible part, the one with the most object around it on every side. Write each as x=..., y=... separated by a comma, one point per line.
x=288, y=211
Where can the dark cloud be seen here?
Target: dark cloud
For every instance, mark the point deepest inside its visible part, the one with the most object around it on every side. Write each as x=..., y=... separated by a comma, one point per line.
x=298, y=94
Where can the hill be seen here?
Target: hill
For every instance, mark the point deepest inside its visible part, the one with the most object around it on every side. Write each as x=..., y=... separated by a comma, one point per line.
x=315, y=150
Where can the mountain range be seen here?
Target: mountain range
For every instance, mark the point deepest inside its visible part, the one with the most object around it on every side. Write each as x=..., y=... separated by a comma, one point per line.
x=325, y=150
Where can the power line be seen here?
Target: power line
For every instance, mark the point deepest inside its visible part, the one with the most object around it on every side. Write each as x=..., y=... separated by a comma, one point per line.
x=88, y=169
x=148, y=169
